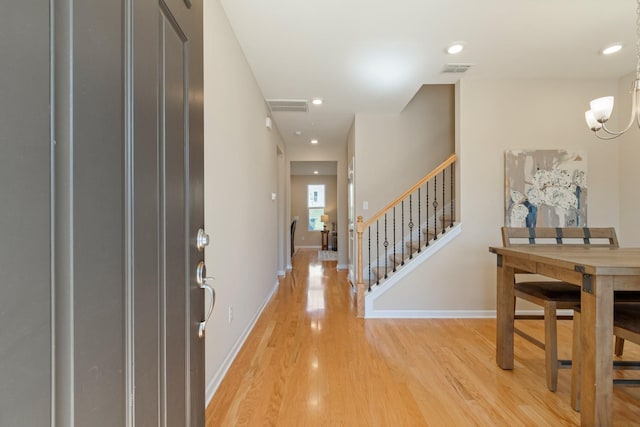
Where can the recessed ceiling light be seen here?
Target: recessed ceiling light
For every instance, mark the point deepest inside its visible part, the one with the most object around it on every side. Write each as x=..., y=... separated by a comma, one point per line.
x=315, y=172
x=298, y=133
x=316, y=101
x=314, y=141
x=455, y=48
x=612, y=49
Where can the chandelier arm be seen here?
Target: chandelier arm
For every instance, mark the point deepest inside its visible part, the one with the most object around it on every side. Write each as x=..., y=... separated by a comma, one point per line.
x=605, y=137
x=634, y=113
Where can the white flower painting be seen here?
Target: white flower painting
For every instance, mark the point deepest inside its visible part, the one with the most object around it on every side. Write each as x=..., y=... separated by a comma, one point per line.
x=545, y=188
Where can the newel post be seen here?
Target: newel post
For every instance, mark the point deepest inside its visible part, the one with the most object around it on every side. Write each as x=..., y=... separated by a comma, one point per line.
x=359, y=280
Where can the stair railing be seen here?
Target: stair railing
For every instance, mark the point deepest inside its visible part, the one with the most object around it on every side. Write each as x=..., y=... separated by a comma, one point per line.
x=405, y=227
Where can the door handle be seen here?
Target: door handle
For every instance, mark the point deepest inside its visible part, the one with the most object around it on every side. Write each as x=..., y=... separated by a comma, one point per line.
x=201, y=280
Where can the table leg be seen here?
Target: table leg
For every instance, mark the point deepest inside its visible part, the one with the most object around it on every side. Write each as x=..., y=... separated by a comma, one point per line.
x=505, y=304
x=596, y=389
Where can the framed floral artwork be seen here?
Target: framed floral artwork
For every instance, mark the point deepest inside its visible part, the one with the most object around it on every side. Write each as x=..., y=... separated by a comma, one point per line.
x=545, y=188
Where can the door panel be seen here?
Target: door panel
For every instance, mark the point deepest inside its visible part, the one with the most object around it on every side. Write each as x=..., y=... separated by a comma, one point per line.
x=143, y=290
x=25, y=215
x=173, y=182
x=94, y=182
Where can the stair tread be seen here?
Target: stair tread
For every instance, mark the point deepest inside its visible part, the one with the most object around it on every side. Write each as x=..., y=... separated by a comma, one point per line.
x=379, y=272
x=446, y=219
x=414, y=246
x=396, y=260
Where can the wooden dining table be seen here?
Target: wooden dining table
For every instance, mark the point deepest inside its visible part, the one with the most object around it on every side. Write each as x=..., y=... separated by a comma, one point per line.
x=599, y=272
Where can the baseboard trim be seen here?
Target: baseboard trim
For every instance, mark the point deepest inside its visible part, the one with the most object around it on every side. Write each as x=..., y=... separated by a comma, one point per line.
x=215, y=382
x=450, y=314
x=281, y=273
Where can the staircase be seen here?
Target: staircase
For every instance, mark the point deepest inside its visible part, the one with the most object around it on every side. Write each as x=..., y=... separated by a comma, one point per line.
x=406, y=232
x=398, y=260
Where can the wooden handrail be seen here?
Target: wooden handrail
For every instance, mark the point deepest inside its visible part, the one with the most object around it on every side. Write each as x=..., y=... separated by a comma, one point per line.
x=413, y=188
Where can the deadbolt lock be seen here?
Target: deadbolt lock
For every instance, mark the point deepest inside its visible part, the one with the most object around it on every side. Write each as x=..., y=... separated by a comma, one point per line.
x=202, y=240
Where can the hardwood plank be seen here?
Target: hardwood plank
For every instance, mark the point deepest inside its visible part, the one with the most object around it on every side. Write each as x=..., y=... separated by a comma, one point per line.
x=309, y=361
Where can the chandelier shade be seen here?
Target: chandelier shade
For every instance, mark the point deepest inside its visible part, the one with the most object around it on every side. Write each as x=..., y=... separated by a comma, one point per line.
x=602, y=108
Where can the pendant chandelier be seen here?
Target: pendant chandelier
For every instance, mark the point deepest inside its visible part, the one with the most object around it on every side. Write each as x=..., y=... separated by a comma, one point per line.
x=602, y=108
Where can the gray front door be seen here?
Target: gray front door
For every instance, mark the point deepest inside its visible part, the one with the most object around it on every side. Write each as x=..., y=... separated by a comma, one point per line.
x=101, y=197
x=165, y=212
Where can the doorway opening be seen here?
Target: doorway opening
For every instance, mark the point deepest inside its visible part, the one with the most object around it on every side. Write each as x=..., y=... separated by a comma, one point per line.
x=314, y=204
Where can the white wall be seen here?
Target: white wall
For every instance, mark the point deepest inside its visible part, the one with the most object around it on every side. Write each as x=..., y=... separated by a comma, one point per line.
x=394, y=151
x=241, y=173
x=494, y=116
x=629, y=145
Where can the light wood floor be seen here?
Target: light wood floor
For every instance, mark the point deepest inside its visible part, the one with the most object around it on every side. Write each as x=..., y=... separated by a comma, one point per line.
x=310, y=362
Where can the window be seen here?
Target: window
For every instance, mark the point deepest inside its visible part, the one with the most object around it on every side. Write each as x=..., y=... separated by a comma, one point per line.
x=315, y=206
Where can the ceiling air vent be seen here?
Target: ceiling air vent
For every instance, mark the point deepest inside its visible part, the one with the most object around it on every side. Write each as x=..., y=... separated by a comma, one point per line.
x=295, y=105
x=456, y=68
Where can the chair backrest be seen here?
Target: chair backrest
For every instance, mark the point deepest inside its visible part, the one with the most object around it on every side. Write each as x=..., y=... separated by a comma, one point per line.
x=566, y=236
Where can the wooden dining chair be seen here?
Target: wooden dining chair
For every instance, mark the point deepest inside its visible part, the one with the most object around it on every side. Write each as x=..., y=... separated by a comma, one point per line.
x=553, y=295
x=626, y=325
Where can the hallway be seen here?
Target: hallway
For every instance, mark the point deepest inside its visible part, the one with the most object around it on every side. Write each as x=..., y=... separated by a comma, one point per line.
x=310, y=362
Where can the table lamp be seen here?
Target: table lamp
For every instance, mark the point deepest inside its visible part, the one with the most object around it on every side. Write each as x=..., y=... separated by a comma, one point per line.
x=325, y=220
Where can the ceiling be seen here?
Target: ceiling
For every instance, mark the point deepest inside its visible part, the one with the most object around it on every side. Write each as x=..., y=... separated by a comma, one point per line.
x=373, y=55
